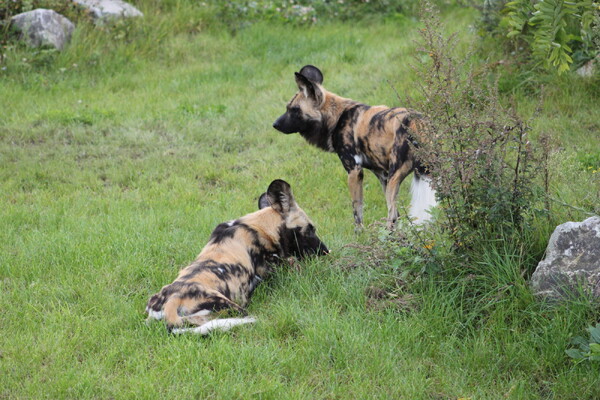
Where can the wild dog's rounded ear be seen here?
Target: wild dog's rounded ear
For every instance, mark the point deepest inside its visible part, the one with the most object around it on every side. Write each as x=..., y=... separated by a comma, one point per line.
x=263, y=201
x=310, y=88
x=312, y=73
x=279, y=196
x=304, y=83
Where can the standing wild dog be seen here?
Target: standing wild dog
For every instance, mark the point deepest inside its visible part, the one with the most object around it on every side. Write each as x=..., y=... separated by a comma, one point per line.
x=373, y=137
x=234, y=261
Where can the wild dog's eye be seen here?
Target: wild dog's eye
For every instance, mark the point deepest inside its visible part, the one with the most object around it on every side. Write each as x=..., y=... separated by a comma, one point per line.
x=294, y=110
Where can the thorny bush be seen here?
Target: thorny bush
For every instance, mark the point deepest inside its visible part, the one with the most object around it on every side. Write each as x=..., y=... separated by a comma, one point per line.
x=484, y=165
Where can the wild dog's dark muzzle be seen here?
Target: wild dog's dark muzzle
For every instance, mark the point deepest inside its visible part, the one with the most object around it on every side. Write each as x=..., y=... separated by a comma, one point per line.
x=284, y=124
x=309, y=246
x=322, y=250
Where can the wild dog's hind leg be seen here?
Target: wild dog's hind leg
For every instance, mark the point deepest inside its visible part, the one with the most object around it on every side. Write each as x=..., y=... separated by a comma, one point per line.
x=199, y=311
x=207, y=321
x=355, y=184
x=395, y=179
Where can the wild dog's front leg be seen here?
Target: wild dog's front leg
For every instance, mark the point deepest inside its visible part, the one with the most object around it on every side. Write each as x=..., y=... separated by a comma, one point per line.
x=155, y=306
x=355, y=184
x=383, y=180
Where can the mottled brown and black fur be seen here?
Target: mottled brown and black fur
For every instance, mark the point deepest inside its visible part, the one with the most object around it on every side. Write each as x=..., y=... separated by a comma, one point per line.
x=377, y=138
x=237, y=257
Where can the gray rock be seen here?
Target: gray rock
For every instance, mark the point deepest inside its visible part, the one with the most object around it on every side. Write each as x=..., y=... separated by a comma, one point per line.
x=588, y=69
x=43, y=27
x=572, y=261
x=109, y=9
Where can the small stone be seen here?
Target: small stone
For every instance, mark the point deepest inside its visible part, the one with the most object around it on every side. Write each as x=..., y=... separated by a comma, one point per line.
x=102, y=10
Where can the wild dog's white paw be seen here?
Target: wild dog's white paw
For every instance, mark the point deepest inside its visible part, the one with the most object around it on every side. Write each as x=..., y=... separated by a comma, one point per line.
x=155, y=314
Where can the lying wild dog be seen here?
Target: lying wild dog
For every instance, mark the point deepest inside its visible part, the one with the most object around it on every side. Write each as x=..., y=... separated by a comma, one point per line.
x=373, y=137
x=235, y=260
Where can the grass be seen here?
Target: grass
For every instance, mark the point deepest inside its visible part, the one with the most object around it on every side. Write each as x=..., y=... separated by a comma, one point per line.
x=117, y=162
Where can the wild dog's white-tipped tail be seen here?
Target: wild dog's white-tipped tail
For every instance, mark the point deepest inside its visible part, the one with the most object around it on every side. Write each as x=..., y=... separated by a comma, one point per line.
x=423, y=198
x=216, y=325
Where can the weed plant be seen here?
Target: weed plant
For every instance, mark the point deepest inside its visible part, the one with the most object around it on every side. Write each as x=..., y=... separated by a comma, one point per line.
x=479, y=152
x=587, y=349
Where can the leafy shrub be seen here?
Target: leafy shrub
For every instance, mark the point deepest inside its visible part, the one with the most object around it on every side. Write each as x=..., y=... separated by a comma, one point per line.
x=357, y=9
x=238, y=13
x=556, y=30
x=485, y=166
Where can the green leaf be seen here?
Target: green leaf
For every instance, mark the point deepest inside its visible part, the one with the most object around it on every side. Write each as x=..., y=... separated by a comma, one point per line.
x=595, y=333
x=574, y=353
x=581, y=342
x=595, y=348
x=563, y=68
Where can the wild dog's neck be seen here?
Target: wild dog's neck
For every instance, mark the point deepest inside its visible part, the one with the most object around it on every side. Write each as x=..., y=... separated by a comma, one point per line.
x=334, y=107
x=321, y=133
x=266, y=224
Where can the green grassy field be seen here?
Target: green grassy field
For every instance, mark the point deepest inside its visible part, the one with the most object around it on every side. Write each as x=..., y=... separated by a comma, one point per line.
x=115, y=166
